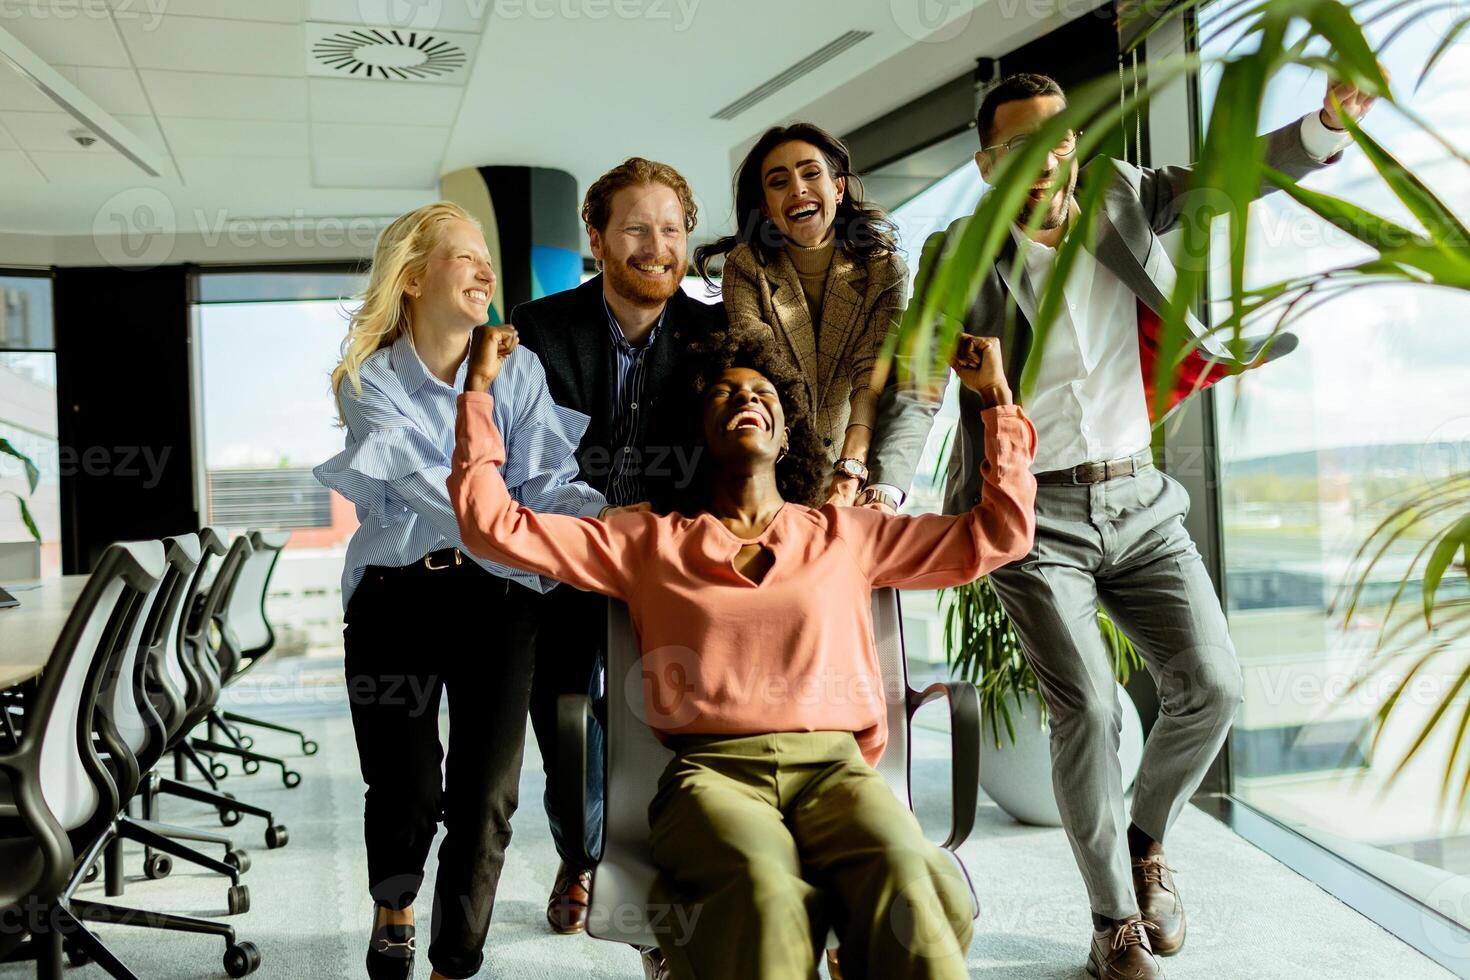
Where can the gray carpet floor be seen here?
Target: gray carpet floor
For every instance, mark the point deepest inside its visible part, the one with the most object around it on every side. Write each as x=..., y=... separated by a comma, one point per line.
x=1250, y=917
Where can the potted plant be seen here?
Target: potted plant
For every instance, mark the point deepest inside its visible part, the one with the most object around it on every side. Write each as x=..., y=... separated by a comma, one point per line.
x=981, y=646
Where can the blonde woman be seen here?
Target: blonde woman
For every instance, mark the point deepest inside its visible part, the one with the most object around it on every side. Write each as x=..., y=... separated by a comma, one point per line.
x=409, y=586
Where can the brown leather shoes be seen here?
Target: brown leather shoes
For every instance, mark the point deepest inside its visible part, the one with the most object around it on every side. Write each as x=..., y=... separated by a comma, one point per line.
x=1122, y=952
x=1159, y=903
x=655, y=967
x=834, y=968
x=567, y=909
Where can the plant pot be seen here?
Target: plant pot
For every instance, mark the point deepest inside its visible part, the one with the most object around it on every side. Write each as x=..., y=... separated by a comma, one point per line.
x=20, y=560
x=1017, y=776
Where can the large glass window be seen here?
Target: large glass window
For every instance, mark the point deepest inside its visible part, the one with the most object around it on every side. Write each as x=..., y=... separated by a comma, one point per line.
x=28, y=423
x=931, y=210
x=1315, y=452
x=266, y=344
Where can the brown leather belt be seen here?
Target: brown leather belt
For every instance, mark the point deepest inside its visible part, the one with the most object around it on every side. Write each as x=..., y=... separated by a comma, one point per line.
x=1084, y=473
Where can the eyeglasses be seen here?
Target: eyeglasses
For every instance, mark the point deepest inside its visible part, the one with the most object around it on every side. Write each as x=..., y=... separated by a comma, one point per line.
x=1064, y=149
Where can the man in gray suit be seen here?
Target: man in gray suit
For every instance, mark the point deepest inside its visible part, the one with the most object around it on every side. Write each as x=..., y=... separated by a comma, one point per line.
x=1109, y=525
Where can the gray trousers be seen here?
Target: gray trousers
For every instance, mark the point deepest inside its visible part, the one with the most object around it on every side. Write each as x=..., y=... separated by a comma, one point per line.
x=1121, y=543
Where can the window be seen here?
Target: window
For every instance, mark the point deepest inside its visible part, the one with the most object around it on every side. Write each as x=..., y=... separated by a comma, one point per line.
x=28, y=422
x=265, y=347
x=1315, y=450
x=931, y=210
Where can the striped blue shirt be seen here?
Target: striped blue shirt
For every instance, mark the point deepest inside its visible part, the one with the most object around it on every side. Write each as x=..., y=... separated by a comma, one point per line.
x=400, y=437
x=625, y=482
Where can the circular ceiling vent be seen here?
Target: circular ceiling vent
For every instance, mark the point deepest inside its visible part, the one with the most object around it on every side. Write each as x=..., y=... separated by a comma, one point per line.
x=396, y=55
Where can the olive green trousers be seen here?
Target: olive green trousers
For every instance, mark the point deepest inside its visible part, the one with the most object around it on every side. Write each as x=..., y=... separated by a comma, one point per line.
x=765, y=842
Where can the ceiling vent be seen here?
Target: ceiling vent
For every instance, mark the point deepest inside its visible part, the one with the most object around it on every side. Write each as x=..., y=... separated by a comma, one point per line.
x=805, y=66
x=389, y=54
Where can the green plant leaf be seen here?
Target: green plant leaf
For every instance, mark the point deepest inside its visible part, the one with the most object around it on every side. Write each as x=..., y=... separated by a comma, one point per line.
x=1457, y=538
x=25, y=516
x=33, y=475
x=1445, y=43
x=1437, y=218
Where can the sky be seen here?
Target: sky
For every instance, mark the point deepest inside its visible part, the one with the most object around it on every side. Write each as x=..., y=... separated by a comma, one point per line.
x=266, y=369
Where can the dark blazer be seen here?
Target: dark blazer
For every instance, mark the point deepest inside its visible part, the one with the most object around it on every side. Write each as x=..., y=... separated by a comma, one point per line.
x=569, y=332
x=1139, y=205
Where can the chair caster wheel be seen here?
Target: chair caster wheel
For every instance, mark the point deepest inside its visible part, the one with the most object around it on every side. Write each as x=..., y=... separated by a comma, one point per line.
x=229, y=818
x=250, y=767
x=158, y=866
x=309, y=747
x=242, y=959
x=277, y=836
x=77, y=956
x=238, y=899
x=238, y=859
x=291, y=778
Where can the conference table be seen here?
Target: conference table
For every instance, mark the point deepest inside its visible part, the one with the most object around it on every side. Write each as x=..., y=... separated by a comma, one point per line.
x=28, y=632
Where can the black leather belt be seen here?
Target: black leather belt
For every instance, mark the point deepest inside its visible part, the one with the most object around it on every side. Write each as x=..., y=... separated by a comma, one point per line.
x=1084, y=473
x=444, y=562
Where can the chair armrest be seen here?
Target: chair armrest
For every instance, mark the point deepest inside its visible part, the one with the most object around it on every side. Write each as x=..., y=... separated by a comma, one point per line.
x=573, y=715
x=964, y=742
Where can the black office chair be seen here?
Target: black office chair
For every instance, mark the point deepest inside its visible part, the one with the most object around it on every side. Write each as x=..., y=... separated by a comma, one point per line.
x=253, y=634
x=135, y=737
x=187, y=660
x=58, y=797
x=246, y=638
x=235, y=608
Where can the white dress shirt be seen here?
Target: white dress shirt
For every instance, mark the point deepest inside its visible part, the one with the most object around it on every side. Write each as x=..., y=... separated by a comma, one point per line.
x=1088, y=403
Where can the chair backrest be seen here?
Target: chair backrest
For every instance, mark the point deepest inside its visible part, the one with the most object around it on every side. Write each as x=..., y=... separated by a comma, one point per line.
x=124, y=721
x=190, y=655
x=249, y=627
x=221, y=660
x=56, y=754
x=164, y=681
x=636, y=759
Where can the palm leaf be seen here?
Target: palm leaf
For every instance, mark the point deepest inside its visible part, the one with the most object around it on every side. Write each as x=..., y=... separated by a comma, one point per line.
x=1457, y=538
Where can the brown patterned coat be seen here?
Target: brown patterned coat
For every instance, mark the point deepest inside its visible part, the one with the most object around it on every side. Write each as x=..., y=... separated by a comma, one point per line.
x=861, y=302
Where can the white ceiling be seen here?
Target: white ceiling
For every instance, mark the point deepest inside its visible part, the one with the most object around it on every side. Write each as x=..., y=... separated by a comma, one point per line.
x=222, y=91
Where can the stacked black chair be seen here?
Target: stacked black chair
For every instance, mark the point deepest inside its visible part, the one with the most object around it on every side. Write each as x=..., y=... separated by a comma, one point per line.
x=188, y=687
x=59, y=798
x=128, y=714
x=245, y=637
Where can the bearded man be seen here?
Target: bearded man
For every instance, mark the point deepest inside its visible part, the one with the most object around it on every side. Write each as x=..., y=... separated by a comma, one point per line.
x=609, y=348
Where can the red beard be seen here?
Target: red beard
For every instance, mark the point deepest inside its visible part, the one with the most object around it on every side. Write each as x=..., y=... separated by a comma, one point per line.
x=630, y=285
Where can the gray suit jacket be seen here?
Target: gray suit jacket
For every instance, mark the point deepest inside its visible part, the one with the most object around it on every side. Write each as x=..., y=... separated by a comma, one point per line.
x=1139, y=205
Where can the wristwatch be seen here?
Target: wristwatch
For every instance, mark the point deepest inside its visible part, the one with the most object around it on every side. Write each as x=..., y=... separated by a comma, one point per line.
x=848, y=466
x=875, y=495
